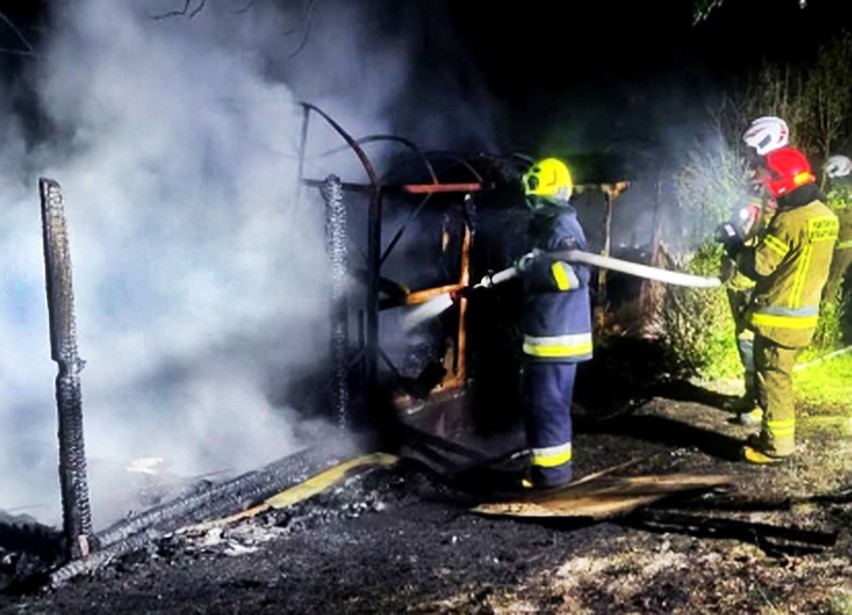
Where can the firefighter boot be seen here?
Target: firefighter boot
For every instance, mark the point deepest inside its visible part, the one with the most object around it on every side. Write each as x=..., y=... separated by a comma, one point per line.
x=546, y=479
x=760, y=450
x=747, y=411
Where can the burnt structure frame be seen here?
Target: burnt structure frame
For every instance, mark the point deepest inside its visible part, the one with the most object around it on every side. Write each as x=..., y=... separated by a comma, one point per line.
x=370, y=352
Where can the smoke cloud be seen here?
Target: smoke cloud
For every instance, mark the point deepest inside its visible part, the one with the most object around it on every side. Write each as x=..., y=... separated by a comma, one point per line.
x=199, y=280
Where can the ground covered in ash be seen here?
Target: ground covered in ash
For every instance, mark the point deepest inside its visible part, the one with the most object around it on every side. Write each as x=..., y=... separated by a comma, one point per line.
x=399, y=539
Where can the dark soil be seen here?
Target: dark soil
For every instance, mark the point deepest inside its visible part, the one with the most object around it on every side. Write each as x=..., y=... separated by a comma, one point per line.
x=400, y=539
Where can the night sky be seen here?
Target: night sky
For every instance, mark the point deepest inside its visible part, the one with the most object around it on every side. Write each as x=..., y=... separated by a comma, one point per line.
x=579, y=77
x=629, y=65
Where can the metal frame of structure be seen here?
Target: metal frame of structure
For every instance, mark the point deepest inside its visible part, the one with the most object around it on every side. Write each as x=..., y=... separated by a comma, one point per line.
x=370, y=352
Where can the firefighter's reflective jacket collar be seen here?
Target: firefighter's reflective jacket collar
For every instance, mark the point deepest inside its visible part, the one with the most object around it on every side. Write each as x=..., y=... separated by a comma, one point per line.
x=800, y=196
x=543, y=217
x=542, y=202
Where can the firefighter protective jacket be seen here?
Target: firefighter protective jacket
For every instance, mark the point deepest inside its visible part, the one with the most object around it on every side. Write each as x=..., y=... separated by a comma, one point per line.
x=790, y=265
x=556, y=319
x=732, y=270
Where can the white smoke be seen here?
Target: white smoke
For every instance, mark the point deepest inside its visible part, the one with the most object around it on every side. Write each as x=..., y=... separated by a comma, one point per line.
x=198, y=280
x=189, y=256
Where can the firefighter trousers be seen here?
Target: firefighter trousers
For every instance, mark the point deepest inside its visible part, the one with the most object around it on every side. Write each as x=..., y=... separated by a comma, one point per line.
x=547, y=391
x=774, y=366
x=738, y=300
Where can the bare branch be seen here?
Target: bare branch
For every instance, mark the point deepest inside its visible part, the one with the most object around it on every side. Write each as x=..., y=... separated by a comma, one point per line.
x=198, y=9
x=173, y=13
x=308, y=22
x=30, y=50
x=185, y=11
x=244, y=9
x=190, y=12
x=701, y=9
x=17, y=52
x=251, y=3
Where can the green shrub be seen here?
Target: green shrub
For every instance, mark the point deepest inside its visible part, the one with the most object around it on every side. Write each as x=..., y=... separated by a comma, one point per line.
x=709, y=185
x=699, y=328
x=833, y=311
x=829, y=333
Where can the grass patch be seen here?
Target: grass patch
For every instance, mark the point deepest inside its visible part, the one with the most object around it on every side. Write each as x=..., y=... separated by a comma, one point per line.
x=825, y=387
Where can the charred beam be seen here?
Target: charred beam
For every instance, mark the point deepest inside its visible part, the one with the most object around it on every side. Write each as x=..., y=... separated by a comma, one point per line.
x=101, y=558
x=220, y=499
x=214, y=502
x=406, y=188
x=77, y=518
x=420, y=296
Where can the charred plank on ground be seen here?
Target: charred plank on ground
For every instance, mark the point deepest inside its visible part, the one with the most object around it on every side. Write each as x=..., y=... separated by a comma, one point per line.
x=604, y=496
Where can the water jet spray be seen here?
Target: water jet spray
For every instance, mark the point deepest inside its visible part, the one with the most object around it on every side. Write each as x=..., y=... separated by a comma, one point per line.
x=436, y=306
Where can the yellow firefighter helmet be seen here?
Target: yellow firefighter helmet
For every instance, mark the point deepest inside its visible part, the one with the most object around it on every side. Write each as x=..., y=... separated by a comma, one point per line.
x=549, y=177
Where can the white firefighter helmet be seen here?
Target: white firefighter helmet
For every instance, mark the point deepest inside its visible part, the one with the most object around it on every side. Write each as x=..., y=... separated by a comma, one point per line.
x=837, y=166
x=766, y=134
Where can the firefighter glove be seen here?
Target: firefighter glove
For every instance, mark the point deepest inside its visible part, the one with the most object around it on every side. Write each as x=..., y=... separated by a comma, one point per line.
x=729, y=235
x=526, y=262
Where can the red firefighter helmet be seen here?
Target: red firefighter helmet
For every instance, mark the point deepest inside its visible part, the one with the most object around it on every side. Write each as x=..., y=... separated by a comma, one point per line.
x=786, y=169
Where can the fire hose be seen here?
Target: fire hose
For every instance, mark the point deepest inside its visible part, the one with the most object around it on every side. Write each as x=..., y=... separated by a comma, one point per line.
x=607, y=262
x=442, y=302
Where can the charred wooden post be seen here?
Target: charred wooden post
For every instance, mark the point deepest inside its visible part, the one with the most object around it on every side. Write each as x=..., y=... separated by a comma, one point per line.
x=374, y=256
x=610, y=192
x=457, y=372
x=336, y=245
x=77, y=518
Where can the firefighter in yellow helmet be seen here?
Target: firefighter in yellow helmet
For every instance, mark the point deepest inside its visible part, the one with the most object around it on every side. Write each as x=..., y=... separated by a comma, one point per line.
x=556, y=322
x=790, y=266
